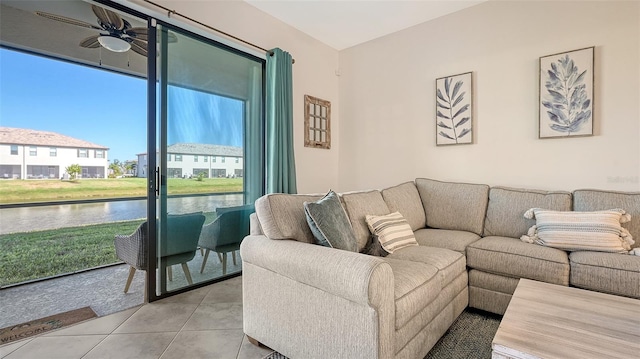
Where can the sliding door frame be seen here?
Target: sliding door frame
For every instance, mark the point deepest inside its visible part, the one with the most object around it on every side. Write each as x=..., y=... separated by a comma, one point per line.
x=157, y=85
x=155, y=179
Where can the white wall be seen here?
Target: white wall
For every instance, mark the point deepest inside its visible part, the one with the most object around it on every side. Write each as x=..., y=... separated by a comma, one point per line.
x=387, y=99
x=313, y=74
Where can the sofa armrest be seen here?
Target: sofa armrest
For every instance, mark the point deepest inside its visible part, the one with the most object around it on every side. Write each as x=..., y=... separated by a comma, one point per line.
x=345, y=274
x=349, y=298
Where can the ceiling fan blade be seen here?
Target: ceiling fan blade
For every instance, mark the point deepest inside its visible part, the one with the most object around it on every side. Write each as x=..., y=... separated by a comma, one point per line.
x=171, y=37
x=139, y=33
x=90, y=42
x=67, y=20
x=139, y=46
x=108, y=17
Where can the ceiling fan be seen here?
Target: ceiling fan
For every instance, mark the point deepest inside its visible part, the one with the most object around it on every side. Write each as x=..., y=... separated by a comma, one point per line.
x=117, y=34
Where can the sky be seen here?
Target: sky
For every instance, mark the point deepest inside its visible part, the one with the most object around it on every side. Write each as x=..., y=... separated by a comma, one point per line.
x=106, y=108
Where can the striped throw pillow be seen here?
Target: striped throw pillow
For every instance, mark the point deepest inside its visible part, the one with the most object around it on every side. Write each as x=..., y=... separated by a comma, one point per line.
x=580, y=231
x=393, y=231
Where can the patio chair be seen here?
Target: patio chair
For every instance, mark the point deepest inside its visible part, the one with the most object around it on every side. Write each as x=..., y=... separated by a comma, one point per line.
x=225, y=233
x=181, y=243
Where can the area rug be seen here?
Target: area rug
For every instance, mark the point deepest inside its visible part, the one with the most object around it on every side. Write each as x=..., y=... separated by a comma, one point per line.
x=469, y=337
x=42, y=325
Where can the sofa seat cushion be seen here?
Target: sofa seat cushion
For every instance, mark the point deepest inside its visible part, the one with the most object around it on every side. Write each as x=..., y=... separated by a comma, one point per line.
x=449, y=263
x=445, y=238
x=415, y=286
x=513, y=258
x=606, y=272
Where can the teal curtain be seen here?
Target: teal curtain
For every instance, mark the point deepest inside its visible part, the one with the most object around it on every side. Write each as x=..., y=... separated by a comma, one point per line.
x=280, y=160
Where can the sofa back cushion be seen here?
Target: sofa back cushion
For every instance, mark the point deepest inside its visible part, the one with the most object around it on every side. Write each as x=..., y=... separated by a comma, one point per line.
x=450, y=205
x=596, y=200
x=505, y=213
x=360, y=204
x=404, y=198
x=282, y=216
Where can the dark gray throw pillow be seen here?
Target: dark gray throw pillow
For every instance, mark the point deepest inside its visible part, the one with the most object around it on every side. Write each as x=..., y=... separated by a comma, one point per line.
x=374, y=248
x=329, y=223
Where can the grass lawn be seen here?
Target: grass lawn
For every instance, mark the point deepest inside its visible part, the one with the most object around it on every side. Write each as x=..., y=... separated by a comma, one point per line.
x=39, y=254
x=25, y=191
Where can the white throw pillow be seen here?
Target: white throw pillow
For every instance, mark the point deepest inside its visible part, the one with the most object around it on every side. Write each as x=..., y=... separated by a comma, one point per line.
x=580, y=231
x=393, y=231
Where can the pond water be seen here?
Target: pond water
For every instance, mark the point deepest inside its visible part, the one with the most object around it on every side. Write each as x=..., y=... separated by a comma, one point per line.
x=69, y=215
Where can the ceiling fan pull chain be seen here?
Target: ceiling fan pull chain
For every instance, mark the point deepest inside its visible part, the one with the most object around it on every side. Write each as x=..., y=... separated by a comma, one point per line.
x=128, y=58
x=100, y=55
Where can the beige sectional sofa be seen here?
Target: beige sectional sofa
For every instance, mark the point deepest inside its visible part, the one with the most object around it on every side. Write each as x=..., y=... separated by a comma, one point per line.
x=309, y=301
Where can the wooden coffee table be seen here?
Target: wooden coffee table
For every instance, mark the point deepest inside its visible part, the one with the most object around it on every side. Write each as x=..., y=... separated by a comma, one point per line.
x=552, y=321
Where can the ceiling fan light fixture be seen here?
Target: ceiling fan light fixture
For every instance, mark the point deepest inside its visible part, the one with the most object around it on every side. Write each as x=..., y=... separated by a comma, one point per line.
x=114, y=44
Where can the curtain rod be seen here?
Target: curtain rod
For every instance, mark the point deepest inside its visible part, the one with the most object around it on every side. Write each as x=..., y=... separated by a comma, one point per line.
x=169, y=12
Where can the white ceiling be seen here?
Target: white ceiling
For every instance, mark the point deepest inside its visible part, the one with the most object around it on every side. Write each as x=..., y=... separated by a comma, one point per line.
x=345, y=23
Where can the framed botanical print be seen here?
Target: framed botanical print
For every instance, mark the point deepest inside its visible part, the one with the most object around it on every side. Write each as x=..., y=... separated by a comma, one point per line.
x=566, y=94
x=454, y=108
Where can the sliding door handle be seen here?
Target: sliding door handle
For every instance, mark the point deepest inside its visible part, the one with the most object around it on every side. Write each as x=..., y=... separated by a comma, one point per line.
x=157, y=181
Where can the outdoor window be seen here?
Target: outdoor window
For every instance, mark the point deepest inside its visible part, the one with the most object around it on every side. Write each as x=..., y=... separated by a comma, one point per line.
x=197, y=172
x=222, y=160
x=42, y=172
x=178, y=158
x=33, y=151
x=195, y=158
x=169, y=157
x=92, y=172
x=83, y=153
x=237, y=160
x=206, y=158
x=10, y=171
x=174, y=172
x=218, y=172
x=213, y=159
x=53, y=152
x=14, y=149
x=99, y=154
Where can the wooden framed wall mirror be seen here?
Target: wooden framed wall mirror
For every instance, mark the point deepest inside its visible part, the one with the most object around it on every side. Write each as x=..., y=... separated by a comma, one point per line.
x=317, y=122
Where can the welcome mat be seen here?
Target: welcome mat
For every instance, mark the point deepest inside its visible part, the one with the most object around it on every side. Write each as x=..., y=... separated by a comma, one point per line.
x=42, y=325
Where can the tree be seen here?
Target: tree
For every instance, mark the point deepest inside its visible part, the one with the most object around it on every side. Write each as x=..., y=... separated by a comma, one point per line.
x=130, y=167
x=116, y=168
x=73, y=170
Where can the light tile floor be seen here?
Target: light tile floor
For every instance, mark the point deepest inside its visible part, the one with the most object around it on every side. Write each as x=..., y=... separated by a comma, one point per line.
x=202, y=323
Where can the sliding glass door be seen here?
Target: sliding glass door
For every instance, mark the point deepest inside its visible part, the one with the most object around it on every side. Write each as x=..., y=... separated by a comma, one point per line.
x=209, y=162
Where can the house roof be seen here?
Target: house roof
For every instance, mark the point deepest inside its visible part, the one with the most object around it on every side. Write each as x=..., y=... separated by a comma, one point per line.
x=23, y=136
x=204, y=149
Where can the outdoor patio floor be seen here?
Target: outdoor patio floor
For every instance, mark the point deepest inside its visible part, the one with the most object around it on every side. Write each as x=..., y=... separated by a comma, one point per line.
x=101, y=289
